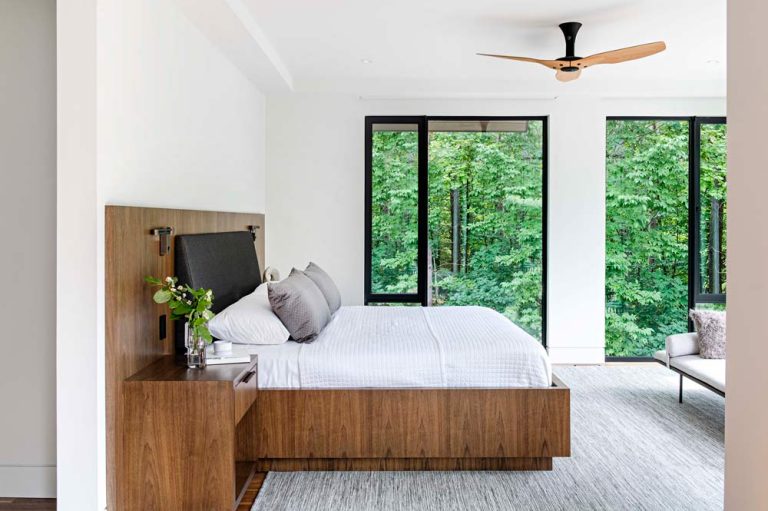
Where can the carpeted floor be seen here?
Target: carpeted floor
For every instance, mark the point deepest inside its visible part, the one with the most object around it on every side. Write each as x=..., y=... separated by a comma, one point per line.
x=634, y=447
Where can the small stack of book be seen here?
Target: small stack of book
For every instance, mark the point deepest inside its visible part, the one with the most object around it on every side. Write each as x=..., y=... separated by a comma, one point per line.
x=236, y=356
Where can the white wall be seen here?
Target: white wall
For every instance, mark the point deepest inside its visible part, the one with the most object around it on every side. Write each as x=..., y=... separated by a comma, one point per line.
x=315, y=178
x=28, y=258
x=150, y=114
x=179, y=125
x=79, y=433
x=746, y=413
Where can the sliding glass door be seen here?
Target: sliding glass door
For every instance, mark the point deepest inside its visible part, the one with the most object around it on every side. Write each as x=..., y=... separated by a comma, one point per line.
x=665, y=228
x=456, y=214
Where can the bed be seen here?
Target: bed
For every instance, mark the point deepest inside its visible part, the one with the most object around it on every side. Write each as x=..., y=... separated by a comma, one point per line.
x=408, y=347
x=390, y=388
x=461, y=401
x=350, y=421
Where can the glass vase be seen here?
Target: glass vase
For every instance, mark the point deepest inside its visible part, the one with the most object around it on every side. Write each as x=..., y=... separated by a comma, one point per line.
x=195, y=350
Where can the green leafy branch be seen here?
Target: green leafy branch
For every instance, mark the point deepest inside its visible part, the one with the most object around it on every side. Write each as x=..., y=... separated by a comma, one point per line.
x=194, y=305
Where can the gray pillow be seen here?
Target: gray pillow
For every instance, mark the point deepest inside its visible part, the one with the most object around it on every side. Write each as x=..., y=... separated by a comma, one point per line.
x=300, y=305
x=710, y=325
x=326, y=285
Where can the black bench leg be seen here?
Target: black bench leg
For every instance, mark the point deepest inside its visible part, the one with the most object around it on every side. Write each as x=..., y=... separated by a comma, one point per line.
x=680, y=399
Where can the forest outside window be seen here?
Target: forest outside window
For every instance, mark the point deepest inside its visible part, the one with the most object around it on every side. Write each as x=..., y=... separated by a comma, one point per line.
x=665, y=228
x=456, y=214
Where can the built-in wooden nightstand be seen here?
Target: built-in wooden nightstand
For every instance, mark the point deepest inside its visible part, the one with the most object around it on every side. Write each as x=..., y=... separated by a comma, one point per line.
x=179, y=447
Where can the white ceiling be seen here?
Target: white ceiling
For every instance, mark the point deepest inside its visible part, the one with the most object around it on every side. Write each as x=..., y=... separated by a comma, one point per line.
x=427, y=47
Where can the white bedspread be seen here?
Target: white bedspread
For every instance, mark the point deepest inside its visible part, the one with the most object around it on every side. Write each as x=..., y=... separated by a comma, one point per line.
x=409, y=347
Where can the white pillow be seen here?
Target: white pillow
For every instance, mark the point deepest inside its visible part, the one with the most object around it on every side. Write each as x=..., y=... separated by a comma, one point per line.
x=249, y=320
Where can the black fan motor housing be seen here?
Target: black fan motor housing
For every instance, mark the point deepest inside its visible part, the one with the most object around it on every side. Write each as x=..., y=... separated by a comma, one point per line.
x=570, y=29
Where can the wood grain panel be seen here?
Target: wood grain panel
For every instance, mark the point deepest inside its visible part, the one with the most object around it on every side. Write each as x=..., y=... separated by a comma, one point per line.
x=167, y=368
x=14, y=504
x=159, y=472
x=407, y=423
x=246, y=391
x=132, y=331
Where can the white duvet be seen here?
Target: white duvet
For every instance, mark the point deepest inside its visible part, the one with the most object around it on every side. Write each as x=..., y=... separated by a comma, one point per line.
x=409, y=347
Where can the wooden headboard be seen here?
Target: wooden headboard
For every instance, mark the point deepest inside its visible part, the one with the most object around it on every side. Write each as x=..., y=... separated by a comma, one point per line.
x=133, y=320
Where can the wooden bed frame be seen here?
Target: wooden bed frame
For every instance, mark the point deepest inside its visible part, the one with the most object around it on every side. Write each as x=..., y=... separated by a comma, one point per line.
x=407, y=429
x=321, y=429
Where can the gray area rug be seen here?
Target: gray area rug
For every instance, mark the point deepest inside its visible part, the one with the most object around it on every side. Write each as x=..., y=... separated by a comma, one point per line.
x=633, y=447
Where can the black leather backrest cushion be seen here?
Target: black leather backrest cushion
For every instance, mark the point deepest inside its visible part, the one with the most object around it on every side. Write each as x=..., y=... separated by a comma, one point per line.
x=224, y=262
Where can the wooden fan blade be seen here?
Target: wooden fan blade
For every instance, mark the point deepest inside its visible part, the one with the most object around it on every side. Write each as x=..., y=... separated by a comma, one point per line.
x=622, y=55
x=552, y=64
x=567, y=76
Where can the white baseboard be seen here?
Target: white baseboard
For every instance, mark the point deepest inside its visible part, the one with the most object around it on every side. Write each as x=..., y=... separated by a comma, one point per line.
x=576, y=355
x=34, y=482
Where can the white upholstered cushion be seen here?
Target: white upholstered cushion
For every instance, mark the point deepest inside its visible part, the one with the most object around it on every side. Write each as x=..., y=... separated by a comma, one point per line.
x=679, y=345
x=708, y=370
x=662, y=356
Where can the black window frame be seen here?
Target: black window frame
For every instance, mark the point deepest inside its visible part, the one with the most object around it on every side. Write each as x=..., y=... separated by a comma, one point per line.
x=421, y=296
x=694, y=211
x=695, y=296
x=422, y=224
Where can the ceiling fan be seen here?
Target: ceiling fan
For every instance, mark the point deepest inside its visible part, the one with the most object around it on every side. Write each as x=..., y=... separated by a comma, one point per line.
x=569, y=67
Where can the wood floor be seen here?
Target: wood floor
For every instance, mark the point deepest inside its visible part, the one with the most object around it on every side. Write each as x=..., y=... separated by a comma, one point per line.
x=252, y=492
x=27, y=504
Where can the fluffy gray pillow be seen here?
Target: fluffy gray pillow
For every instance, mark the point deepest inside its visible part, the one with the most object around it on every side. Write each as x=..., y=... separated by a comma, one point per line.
x=326, y=285
x=710, y=325
x=300, y=305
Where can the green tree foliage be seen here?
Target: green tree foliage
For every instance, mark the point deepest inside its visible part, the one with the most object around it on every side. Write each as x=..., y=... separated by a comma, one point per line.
x=497, y=178
x=647, y=229
x=713, y=195
x=394, y=219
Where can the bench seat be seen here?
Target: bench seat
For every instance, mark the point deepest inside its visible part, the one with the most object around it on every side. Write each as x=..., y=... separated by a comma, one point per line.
x=682, y=356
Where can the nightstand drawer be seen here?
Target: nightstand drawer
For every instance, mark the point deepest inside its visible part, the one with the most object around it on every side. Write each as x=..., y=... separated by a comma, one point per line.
x=245, y=391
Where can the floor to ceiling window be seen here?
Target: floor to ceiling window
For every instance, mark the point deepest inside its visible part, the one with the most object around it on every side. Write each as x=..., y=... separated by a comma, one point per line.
x=456, y=214
x=662, y=255
x=486, y=217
